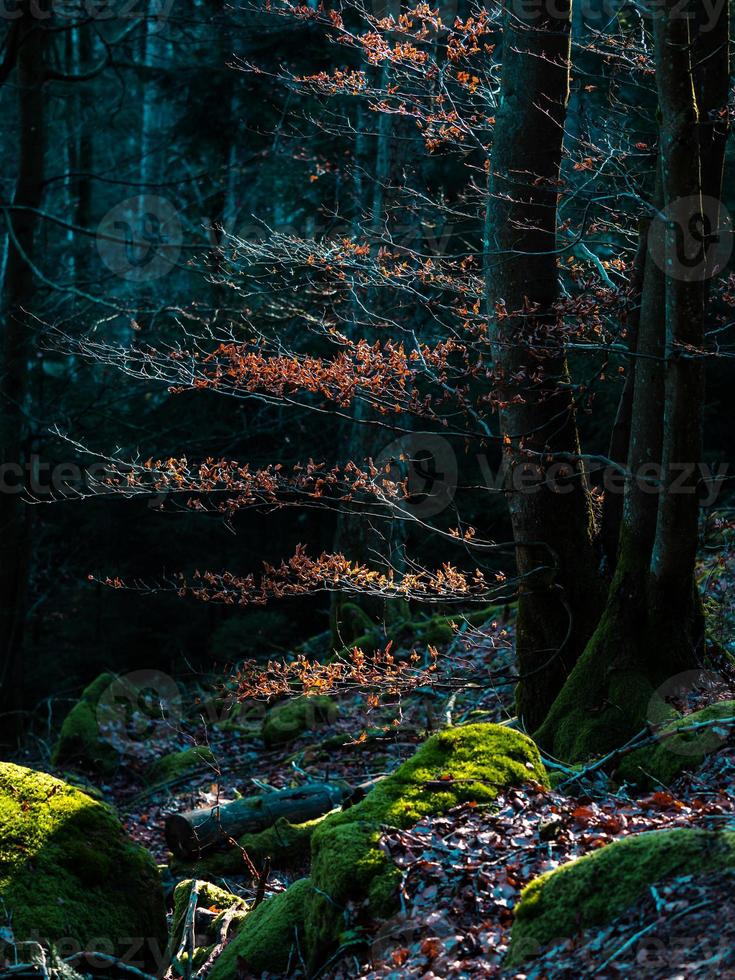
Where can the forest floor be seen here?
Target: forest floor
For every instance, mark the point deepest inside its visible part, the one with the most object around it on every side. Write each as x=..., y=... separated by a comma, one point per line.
x=463, y=872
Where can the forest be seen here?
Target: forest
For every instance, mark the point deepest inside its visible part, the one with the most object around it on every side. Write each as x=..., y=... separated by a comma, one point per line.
x=367, y=515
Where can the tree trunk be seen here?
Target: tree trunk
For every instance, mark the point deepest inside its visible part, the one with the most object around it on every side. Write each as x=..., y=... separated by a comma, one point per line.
x=651, y=627
x=551, y=512
x=188, y=835
x=692, y=77
x=17, y=302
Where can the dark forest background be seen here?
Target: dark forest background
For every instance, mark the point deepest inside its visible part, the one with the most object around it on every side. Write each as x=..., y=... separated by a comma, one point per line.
x=157, y=100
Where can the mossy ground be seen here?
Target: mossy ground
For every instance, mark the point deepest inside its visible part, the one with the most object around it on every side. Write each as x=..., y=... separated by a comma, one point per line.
x=659, y=764
x=177, y=764
x=80, y=742
x=68, y=872
x=286, y=722
x=594, y=889
x=349, y=871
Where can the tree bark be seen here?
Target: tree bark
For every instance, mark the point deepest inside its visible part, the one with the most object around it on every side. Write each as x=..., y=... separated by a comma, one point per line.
x=692, y=76
x=190, y=834
x=553, y=523
x=651, y=627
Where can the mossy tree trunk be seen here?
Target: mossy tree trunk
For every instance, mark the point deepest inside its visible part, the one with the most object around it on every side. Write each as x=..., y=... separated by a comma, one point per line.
x=651, y=626
x=551, y=513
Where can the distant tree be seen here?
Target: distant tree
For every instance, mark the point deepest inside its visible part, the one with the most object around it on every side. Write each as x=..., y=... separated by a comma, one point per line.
x=27, y=43
x=607, y=601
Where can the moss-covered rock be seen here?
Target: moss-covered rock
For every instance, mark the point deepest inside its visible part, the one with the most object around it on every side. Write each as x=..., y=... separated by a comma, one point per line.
x=271, y=937
x=209, y=897
x=68, y=872
x=594, y=889
x=679, y=747
x=284, y=843
x=348, y=868
x=467, y=763
x=80, y=742
x=286, y=722
x=443, y=629
x=353, y=622
x=177, y=764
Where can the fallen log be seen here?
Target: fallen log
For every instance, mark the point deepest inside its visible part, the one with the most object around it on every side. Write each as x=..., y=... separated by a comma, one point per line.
x=189, y=835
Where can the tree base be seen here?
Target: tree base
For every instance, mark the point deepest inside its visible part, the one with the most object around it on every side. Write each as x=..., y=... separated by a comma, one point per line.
x=606, y=699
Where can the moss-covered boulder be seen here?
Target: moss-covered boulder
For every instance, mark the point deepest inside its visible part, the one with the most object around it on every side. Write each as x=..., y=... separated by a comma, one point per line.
x=213, y=899
x=268, y=939
x=350, y=623
x=69, y=874
x=288, y=721
x=467, y=763
x=680, y=746
x=443, y=629
x=80, y=742
x=594, y=889
x=178, y=764
x=348, y=868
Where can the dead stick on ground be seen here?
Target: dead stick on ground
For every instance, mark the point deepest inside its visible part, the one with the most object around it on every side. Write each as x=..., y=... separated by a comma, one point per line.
x=188, y=925
x=224, y=927
x=262, y=882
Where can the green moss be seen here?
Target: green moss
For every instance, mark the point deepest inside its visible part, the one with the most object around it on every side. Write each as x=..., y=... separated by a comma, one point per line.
x=348, y=869
x=443, y=629
x=287, y=722
x=596, y=888
x=672, y=754
x=80, y=742
x=209, y=897
x=604, y=701
x=468, y=763
x=286, y=844
x=353, y=622
x=68, y=872
x=271, y=937
x=178, y=764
